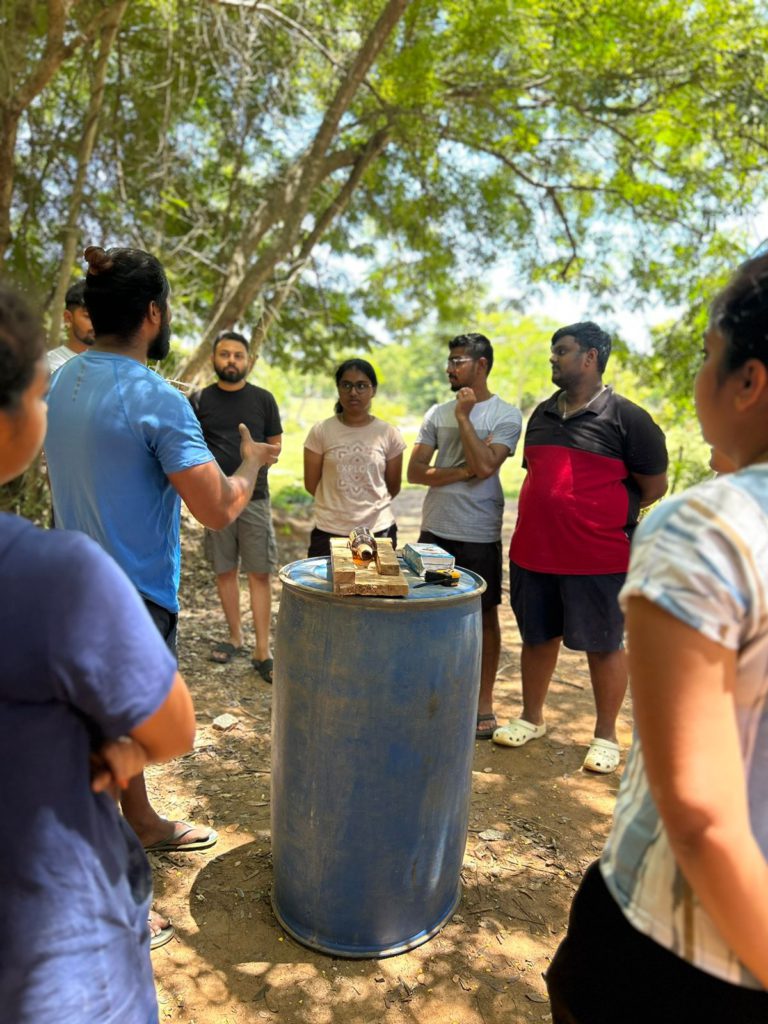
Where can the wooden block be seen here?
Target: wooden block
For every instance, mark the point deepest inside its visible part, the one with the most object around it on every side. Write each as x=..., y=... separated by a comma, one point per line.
x=386, y=558
x=342, y=564
x=382, y=586
x=380, y=578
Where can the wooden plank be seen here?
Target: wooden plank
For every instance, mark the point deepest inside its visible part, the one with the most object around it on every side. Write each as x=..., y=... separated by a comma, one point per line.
x=350, y=578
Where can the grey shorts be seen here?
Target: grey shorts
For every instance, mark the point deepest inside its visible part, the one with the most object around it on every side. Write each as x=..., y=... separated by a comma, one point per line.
x=249, y=541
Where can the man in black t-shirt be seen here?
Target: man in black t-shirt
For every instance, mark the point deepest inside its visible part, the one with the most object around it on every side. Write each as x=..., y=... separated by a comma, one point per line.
x=250, y=540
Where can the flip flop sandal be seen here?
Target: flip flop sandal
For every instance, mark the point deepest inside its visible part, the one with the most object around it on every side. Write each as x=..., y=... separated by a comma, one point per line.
x=223, y=653
x=486, y=732
x=518, y=733
x=602, y=757
x=264, y=668
x=176, y=844
x=159, y=938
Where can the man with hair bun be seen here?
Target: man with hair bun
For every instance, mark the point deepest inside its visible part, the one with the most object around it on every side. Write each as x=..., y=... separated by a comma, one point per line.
x=593, y=460
x=124, y=449
x=77, y=321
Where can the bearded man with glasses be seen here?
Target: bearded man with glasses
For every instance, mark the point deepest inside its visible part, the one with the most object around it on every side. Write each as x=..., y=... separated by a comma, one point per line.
x=464, y=506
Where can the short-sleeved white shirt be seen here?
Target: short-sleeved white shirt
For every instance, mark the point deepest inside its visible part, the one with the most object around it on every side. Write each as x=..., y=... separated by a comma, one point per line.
x=352, y=490
x=58, y=356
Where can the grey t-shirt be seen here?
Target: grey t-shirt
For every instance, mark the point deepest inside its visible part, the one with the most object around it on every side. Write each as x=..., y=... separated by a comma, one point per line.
x=470, y=510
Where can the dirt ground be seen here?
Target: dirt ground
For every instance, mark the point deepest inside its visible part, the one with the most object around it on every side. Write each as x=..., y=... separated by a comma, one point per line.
x=536, y=822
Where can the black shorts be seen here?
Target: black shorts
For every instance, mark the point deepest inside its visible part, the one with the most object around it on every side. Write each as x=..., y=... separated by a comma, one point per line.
x=166, y=622
x=583, y=610
x=607, y=972
x=320, y=541
x=483, y=559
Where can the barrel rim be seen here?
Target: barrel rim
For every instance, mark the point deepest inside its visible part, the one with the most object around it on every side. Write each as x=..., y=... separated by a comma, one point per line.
x=367, y=599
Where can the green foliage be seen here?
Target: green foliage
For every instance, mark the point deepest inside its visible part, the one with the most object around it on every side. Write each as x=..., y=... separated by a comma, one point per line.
x=29, y=495
x=293, y=500
x=598, y=143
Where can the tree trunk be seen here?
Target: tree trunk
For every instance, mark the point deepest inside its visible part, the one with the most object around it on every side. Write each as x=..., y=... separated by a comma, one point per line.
x=70, y=231
x=297, y=188
x=13, y=106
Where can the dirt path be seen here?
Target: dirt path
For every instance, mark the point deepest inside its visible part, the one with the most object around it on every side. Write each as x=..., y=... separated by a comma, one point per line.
x=536, y=823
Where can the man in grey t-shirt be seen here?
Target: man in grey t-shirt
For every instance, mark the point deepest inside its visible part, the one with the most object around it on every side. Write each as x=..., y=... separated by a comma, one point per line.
x=464, y=506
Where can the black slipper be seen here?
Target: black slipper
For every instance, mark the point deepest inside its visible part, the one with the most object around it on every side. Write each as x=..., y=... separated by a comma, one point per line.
x=225, y=652
x=487, y=732
x=264, y=668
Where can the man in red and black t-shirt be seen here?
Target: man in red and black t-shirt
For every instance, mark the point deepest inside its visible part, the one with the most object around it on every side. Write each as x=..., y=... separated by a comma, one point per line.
x=593, y=460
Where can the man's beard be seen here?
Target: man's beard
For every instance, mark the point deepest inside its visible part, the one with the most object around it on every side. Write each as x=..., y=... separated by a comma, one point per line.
x=161, y=345
x=84, y=339
x=231, y=374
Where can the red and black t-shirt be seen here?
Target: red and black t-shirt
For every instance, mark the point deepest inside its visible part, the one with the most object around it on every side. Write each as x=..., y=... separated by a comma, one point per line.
x=579, y=503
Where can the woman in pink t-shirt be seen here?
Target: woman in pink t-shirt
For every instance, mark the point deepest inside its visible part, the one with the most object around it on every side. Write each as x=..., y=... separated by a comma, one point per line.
x=353, y=463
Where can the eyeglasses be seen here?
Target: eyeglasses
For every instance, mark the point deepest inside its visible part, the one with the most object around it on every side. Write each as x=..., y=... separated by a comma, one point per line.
x=458, y=360
x=354, y=385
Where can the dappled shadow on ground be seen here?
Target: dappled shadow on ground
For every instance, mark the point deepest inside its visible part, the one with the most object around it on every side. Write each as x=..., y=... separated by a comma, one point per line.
x=536, y=822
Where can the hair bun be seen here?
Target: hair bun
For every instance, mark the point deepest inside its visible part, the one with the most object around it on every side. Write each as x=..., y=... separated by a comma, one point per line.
x=99, y=262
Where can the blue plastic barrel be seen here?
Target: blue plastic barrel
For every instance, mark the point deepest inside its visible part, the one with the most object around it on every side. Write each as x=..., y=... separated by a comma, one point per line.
x=373, y=724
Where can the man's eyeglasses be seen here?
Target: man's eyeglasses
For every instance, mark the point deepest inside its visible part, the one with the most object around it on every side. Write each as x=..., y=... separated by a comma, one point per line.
x=354, y=385
x=458, y=360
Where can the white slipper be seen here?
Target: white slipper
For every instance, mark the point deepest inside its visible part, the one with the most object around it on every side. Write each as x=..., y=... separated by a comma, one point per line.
x=603, y=756
x=518, y=733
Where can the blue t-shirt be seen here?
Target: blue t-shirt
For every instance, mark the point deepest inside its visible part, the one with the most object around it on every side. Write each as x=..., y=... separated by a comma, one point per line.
x=81, y=662
x=116, y=430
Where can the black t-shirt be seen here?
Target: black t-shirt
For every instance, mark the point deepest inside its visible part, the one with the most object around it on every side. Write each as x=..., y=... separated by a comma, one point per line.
x=221, y=411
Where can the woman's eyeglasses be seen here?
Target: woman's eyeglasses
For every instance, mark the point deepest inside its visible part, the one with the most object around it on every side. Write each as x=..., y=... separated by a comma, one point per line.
x=354, y=385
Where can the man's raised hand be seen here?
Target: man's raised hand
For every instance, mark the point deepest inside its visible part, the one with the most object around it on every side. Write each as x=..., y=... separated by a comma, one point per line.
x=256, y=451
x=465, y=402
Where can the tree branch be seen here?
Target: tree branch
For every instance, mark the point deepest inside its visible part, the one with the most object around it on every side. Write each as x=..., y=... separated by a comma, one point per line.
x=84, y=153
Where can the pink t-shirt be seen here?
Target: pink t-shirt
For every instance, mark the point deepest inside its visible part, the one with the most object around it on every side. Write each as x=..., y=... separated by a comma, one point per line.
x=352, y=490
